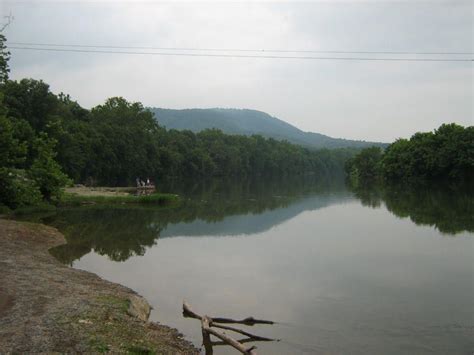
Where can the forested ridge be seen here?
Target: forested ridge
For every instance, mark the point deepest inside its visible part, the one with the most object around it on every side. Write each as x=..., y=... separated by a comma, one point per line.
x=49, y=140
x=249, y=122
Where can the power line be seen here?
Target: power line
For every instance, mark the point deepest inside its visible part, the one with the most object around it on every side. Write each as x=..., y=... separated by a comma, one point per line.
x=179, y=54
x=236, y=49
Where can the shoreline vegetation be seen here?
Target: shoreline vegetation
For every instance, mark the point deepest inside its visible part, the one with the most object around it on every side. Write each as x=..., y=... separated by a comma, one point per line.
x=445, y=155
x=75, y=196
x=89, y=196
x=50, y=307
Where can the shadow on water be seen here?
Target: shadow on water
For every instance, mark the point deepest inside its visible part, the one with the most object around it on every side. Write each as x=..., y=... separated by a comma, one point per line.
x=450, y=209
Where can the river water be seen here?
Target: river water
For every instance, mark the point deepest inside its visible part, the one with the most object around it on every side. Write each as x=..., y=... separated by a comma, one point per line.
x=372, y=271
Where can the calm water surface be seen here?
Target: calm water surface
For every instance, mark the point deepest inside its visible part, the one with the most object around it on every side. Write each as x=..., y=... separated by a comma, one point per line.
x=367, y=272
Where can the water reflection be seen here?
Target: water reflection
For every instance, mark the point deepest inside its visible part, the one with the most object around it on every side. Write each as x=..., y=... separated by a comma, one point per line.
x=450, y=209
x=211, y=208
x=246, y=207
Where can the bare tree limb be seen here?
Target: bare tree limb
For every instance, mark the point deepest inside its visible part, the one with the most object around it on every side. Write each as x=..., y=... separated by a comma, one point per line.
x=250, y=335
x=250, y=321
x=206, y=326
x=205, y=323
x=241, y=341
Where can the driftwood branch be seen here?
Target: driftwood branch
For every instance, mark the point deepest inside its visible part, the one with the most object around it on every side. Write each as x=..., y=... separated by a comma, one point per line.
x=241, y=341
x=206, y=338
x=208, y=322
x=250, y=335
x=250, y=321
x=189, y=313
x=205, y=323
x=246, y=321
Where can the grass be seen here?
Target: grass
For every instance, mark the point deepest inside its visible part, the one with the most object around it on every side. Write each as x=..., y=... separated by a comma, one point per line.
x=156, y=199
x=110, y=328
x=115, y=302
x=29, y=210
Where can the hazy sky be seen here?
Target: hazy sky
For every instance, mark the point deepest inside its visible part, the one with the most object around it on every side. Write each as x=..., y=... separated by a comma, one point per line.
x=352, y=99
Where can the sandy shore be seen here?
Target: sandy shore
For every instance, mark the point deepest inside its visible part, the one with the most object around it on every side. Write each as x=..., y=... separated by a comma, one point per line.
x=46, y=306
x=100, y=191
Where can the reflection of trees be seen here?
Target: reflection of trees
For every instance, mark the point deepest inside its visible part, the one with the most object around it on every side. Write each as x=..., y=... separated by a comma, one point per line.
x=118, y=233
x=449, y=208
x=121, y=232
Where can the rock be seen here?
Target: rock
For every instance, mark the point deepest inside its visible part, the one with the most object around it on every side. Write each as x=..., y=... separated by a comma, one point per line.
x=139, y=308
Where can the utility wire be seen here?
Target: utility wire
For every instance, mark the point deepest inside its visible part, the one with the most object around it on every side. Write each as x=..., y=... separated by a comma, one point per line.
x=243, y=55
x=235, y=49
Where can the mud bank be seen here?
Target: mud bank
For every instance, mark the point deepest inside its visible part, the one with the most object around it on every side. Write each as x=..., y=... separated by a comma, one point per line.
x=46, y=306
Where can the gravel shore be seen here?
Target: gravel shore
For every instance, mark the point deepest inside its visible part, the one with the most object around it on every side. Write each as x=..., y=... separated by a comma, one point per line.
x=46, y=306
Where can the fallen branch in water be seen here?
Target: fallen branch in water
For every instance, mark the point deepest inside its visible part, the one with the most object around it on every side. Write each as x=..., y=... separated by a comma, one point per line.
x=250, y=335
x=208, y=322
x=241, y=341
x=250, y=321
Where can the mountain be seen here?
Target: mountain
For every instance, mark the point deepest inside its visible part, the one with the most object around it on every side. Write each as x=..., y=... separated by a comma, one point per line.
x=249, y=122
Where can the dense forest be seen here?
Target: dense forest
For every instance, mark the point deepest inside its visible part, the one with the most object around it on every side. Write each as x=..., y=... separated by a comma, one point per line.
x=445, y=154
x=48, y=141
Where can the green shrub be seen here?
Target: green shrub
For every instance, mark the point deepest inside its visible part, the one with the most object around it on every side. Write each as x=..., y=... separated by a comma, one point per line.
x=16, y=190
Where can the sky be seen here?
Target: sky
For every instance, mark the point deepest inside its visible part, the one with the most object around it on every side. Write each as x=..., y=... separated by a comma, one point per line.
x=368, y=100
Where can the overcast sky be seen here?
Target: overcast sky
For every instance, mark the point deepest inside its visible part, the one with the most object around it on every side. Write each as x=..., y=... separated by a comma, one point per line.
x=352, y=99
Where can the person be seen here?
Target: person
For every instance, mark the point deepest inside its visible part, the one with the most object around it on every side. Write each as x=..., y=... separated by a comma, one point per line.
x=138, y=181
x=147, y=181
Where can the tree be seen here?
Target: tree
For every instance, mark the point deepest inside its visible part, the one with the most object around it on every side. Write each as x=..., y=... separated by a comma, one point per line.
x=365, y=166
x=45, y=171
x=4, y=58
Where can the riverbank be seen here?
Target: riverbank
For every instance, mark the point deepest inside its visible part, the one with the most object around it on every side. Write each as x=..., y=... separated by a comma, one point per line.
x=46, y=306
x=113, y=195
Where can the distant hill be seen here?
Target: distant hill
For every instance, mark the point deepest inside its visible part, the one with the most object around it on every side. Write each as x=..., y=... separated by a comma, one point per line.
x=248, y=122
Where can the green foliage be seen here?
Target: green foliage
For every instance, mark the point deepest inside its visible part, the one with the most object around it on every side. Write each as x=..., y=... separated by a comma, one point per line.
x=17, y=190
x=12, y=152
x=32, y=101
x=155, y=199
x=445, y=154
x=448, y=153
x=4, y=58
x=45, y=171
x=365, y=166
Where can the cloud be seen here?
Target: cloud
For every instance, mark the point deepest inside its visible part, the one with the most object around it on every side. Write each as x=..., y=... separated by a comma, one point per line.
x=363, y=100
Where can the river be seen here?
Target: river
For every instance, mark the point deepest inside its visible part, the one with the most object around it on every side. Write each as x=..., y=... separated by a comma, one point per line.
x=371, y=271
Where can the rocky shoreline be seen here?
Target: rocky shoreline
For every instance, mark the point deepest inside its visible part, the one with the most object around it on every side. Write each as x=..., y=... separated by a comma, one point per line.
x=46, y=306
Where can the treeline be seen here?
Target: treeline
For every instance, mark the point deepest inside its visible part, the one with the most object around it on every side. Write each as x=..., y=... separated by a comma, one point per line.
x=49, y=140
x=113, y=143
x=445, y=154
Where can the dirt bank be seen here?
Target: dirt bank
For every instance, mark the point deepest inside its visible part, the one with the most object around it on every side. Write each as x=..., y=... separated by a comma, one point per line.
x=100, y=191
x=48, y=307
